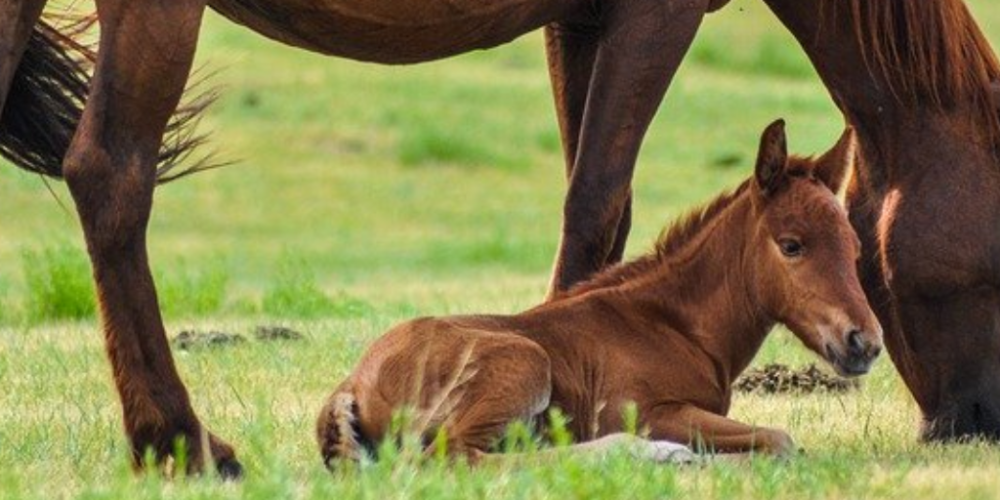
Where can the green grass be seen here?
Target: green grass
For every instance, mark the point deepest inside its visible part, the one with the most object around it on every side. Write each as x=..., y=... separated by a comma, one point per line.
x=188, y=290
x=58, y=283
x=366, y=195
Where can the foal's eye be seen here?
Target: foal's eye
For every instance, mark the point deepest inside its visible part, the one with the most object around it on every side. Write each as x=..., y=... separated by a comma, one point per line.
x=790, y=247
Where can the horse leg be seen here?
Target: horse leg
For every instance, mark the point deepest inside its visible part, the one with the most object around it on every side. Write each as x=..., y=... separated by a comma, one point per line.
x=144, y=59
x=512, y=382
x=17, y=18
x=571, y=50
x=640, y=48
x=707, y=431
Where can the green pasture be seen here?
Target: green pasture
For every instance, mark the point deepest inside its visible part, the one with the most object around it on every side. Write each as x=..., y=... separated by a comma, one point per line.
x=363, y=195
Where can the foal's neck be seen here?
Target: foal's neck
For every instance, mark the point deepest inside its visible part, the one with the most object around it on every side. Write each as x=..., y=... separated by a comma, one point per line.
x=706, y=292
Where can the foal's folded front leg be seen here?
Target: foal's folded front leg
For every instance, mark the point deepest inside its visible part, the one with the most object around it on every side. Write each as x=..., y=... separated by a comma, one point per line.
x=713, y=433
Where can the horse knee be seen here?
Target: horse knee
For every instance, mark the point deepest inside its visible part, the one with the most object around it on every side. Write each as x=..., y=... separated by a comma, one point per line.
x=113, y=196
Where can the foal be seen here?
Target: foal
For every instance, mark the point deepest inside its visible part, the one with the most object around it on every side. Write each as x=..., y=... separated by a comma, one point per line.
x=668, y=332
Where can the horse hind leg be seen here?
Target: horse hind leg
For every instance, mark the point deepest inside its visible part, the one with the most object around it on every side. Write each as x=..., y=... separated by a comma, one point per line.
x=512, y=382
x=571, y=51
x=641, y=46
x=144, y=59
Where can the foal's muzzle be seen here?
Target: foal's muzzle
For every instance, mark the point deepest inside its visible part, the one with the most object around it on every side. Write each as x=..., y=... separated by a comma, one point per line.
x=857, y=354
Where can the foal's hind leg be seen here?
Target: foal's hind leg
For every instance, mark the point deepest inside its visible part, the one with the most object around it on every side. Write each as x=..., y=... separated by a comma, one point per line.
x=642, y=43
x=145, y=56
x=17, y=18
x=512, y=383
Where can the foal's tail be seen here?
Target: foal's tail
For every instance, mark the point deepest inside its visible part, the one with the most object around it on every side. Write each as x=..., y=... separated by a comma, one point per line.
x=337, y=429
x=47, y=97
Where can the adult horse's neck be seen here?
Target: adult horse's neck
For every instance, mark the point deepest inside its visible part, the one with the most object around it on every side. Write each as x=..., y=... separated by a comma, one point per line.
x=919, y=92
x=705, y=290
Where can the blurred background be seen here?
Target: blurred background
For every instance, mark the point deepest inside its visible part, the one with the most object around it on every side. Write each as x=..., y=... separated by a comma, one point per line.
x=358, y=187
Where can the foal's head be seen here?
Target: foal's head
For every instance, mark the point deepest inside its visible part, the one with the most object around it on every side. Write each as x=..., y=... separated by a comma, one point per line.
x=806, y=253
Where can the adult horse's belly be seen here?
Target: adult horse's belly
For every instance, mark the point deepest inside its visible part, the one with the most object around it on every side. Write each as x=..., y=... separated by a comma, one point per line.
x=393, y=31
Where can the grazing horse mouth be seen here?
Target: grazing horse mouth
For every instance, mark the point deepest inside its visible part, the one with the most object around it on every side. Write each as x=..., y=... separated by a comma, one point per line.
x=848, y=365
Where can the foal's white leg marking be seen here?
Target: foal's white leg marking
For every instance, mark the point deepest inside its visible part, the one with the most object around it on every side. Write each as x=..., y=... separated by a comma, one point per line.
x=664, y=452
x=668, y=452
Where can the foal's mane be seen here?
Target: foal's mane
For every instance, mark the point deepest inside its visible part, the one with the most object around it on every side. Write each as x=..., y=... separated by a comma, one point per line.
x=929, y=51
x=672, y=240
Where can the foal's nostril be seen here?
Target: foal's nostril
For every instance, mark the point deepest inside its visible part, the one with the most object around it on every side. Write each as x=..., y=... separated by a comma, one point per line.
x=855, y=342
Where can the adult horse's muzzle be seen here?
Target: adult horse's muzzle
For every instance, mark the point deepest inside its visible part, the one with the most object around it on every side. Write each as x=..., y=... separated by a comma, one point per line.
x=857, y=353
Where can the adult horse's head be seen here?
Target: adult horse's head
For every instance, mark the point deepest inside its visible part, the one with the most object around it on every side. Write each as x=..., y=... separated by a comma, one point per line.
x=807, y=252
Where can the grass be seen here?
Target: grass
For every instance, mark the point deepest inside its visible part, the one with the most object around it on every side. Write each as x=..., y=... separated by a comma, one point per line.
x=187, y=290
x=367, y=195
x=58, y=284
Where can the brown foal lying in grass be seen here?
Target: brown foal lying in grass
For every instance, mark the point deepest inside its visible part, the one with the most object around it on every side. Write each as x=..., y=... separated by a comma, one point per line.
x=669, y=332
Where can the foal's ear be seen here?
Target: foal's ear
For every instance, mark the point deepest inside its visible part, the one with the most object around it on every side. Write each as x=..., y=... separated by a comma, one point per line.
x=831, y=168
x=772, y=157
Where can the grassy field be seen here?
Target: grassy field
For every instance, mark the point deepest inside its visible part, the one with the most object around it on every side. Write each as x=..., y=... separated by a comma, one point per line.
x=364, y=195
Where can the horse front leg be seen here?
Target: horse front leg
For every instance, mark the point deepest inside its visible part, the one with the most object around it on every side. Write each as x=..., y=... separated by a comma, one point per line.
x=641, y=45
x=17, y=18
x=144, y=59
x=710, y=432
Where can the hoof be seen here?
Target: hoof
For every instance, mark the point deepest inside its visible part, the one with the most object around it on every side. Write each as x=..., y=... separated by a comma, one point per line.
x=229, y=469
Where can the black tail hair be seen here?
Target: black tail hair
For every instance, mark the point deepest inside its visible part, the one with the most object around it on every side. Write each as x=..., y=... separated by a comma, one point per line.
x=46, y=100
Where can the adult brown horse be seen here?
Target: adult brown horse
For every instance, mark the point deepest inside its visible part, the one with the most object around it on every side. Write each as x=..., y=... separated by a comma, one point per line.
x=914, y=78
x=669, y=332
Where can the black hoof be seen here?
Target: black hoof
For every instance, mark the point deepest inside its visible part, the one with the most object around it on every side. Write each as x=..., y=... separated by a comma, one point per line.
x=229, y=469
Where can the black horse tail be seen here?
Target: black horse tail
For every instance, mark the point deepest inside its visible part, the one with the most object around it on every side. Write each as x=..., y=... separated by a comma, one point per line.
x=47, y=96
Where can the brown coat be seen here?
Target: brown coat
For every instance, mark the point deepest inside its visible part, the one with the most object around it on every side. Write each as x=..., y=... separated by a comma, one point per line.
x=669, y=332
